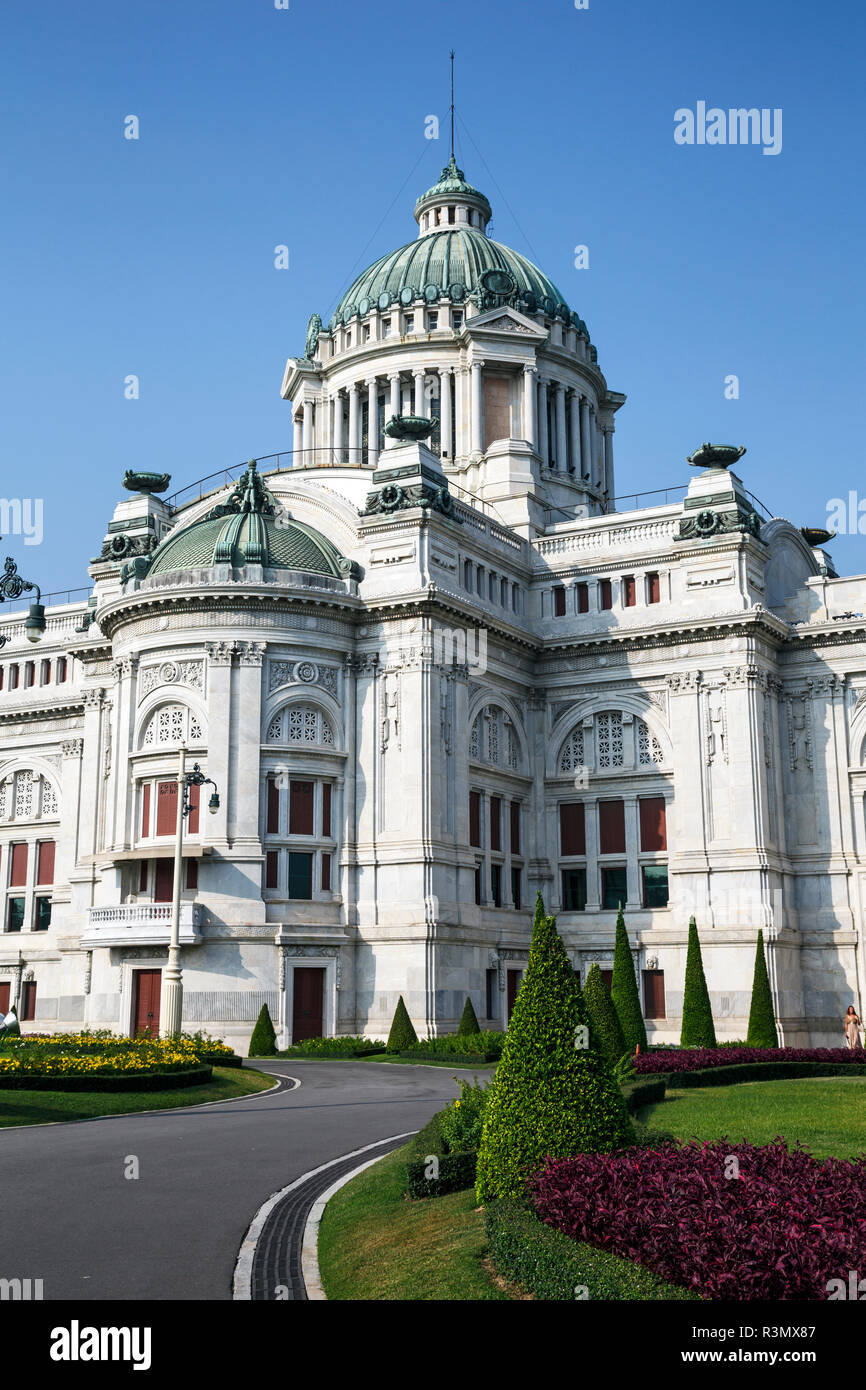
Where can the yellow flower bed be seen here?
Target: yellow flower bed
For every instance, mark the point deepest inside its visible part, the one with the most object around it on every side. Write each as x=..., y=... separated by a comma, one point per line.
x=75, y=1055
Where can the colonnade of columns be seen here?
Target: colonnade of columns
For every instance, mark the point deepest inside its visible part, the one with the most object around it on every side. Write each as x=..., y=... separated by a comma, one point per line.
x=559, y=422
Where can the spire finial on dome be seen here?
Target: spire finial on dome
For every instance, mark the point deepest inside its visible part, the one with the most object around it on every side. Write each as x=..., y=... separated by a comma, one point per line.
x=452, y=108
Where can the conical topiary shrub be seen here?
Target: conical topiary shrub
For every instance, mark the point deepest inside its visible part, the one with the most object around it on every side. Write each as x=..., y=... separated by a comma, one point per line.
x=602, y=1016
x=554, y=1094
x=698, y=1030
x=623, y=991
x=468, y=1021
x=762, y=1017
x=263, y=1043
x=402, y=1034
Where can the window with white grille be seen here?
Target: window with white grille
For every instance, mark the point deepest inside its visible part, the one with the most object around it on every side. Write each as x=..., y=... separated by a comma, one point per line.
x=571, y=757
x=300, y=724
x=28, y=796
x=493, y=739
x=171, y=724
x=609, y=742
x=649, y=750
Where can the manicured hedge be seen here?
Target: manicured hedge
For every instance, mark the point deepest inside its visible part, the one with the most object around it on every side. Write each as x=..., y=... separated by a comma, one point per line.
x=554, y=1267
x=456, y=1172
x=342, y=1046
x=472, y=1059
x=646, y=1092
x=758, y=1071
x=485, y=1046
x=128, y=1081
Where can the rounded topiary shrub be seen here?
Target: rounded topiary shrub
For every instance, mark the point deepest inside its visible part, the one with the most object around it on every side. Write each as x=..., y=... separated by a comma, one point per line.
x=402, y=1034
x=698, y=1029
x=762, y=1018
x=624, y=993
x=468, y=1021
x=554, y=1094
x=603, y=1017
x=263, y=1042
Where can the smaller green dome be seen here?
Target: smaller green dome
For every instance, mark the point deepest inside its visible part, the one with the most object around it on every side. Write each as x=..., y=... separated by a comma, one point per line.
x=248, y=528
x=452, y=184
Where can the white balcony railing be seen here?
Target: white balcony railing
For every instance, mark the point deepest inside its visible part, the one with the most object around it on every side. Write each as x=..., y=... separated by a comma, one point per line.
x=140, y=924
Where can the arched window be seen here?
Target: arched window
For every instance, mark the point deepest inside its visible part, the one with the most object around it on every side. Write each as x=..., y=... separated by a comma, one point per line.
x=170, y=724
x=614, y=739
x=300, y=724
x=28, y=796
x=493, y=739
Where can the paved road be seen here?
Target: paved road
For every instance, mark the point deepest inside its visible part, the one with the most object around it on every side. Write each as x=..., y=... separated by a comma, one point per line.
x=72, y=1219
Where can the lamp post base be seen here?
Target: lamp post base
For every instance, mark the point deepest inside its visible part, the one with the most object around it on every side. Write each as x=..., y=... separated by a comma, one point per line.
x=171, y=1009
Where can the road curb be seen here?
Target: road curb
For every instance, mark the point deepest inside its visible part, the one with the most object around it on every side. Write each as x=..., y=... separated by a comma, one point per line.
x=310, y=1248
x=243, y=1275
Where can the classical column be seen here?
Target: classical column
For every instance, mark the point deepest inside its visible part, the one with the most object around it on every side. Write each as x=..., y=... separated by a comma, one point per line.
x=339, y=441
x=608, y=461
x=354, y=425
x=590, y=823
x=632, y=843
x=307, y=437
x=446, y=433
x=530, y=405
x=243, y=818
x=372, y=422
x=574, y=431
x=585, y=444
x=297, y=439
x=394, y=382
x=597, y=455
x=476, y=444
x=418, y=405
x=543, y=444
x=561, y=445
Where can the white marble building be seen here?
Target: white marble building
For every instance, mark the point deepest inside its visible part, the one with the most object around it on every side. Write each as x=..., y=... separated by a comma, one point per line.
x=429, y=679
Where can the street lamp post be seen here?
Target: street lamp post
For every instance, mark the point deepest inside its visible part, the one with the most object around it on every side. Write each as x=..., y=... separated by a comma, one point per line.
x=172, y=985
x=12, y=585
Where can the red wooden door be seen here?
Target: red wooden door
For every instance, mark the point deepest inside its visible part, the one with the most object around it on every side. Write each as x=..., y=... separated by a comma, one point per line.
x=145, y=1008
x=4, y=997
x=514, y=978
x=309, y=998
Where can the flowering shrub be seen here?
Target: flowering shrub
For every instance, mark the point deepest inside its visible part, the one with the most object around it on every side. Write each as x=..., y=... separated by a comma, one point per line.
x=699, y=1058
x=781, y=1229
x=461, y=1121
x=98, y=1053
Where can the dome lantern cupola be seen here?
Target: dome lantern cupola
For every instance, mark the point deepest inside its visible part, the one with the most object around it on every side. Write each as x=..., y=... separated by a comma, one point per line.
x=451, y=202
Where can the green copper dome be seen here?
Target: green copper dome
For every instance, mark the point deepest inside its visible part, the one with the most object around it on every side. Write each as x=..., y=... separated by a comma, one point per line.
x=248, y=528
x=454, y=262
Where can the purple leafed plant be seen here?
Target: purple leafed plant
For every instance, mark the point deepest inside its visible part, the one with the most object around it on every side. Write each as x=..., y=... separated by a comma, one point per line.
x=780, y=1230
x=698, y=1058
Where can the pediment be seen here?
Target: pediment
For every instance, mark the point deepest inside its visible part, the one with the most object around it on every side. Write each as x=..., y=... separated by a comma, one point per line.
x=506, y=320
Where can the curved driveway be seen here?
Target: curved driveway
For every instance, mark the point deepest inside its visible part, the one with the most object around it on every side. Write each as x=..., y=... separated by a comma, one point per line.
x=74, y=1220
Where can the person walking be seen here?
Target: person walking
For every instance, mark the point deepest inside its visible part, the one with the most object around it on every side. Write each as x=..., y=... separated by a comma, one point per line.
x=852, y=1027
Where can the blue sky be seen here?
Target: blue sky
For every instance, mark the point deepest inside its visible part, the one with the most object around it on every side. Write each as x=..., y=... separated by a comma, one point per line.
x=260, y=127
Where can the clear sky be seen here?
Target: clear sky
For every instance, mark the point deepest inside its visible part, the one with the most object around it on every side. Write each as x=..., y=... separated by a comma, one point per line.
x=262, y=126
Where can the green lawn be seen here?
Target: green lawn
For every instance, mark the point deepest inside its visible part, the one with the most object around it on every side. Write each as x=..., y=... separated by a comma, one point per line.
x=375, y=1244
x=40, y=1107
x=827, y=1114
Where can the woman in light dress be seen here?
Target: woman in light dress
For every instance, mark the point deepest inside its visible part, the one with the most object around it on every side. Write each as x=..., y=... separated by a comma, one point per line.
x=852, y=1026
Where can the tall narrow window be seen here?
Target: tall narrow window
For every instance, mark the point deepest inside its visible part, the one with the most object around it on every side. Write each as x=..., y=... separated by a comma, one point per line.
x=514, y=827
x=326, y=810
x=18, y=866
x=629, y=592
x=272, y=868
x=29, y=674
x=572, y=828
x=192, y=874
x=495, y=823
x=653, y=588
x=273, y=817
x=654, y=993
x=145, y=811
x=301, y=808
x=605, y=593
x=13, y=676
x=611, y=827
x=491, y=980
x=44, y=672
x=61, y=670
x=653, y=830
x=28, y=1000
x=583, y=598
x=475, y=819
x=496, y=884
x=326, y=873
x=45, y=862
x=166, y=808
x=194, y=804
x=559, y=602
x=300, y=875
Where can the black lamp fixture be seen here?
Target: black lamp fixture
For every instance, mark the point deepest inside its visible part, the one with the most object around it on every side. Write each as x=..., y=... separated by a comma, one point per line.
x=196, y=778
x=13, y=585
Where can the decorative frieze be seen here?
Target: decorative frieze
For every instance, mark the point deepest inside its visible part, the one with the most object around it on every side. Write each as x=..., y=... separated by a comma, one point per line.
x=302, y=672
x=187, y=672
